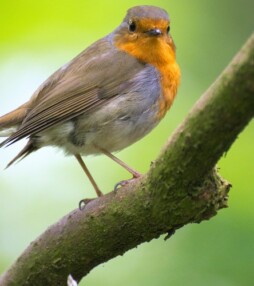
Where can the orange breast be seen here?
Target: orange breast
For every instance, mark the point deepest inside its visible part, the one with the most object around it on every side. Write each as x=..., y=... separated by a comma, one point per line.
x=169, y=82
x=160, y=53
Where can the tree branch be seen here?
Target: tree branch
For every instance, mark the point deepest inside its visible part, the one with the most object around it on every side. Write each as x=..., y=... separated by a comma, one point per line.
x=181, y=187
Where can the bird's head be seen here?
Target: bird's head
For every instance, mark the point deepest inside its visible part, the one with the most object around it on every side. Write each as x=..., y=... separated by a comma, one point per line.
x=145, y=34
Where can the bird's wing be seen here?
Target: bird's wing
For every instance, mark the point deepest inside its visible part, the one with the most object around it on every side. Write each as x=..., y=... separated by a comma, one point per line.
x=95, y=76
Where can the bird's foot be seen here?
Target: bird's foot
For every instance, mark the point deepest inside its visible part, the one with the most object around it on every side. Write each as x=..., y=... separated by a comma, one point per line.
x=82, y=204
x=126, y=182
x=85, y=202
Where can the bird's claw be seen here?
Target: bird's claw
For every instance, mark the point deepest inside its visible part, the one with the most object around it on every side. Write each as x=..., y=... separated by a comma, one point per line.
x=120, y=184
x=123, y=183
x=83, y=203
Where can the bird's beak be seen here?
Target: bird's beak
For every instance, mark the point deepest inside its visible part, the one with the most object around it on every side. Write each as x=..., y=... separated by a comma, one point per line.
x=154, y=32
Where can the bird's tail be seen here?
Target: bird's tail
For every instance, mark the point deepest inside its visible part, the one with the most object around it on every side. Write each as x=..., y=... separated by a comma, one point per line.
x=28, y=149
x=10, y=121
x=8, y=131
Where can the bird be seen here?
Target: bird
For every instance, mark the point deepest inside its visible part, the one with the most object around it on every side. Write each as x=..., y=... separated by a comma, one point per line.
x=108, y=97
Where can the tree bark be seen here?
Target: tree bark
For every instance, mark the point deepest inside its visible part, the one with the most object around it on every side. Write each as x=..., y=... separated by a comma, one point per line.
x=181, y=187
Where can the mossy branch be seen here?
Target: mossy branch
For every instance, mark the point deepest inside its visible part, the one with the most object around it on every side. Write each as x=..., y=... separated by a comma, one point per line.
x=181, y=187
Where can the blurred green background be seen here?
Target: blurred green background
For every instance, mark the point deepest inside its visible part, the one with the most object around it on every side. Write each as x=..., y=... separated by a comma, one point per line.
x=36, y=38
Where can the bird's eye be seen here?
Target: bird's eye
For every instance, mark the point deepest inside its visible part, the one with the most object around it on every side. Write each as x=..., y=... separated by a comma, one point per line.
x=168, y=29
x=132, y=26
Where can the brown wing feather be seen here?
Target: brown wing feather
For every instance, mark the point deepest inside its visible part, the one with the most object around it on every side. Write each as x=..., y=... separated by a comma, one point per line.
x=47, y=115
x=78, y=88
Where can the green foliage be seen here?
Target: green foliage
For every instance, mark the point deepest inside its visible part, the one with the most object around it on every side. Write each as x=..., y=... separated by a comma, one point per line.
x=38, y=38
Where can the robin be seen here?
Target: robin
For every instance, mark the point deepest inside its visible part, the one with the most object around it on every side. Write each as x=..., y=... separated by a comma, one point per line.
x=108, y=97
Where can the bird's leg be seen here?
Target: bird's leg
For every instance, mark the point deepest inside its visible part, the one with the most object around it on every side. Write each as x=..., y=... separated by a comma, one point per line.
x=91, y=179
x=118, y=161
x=134, y=173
